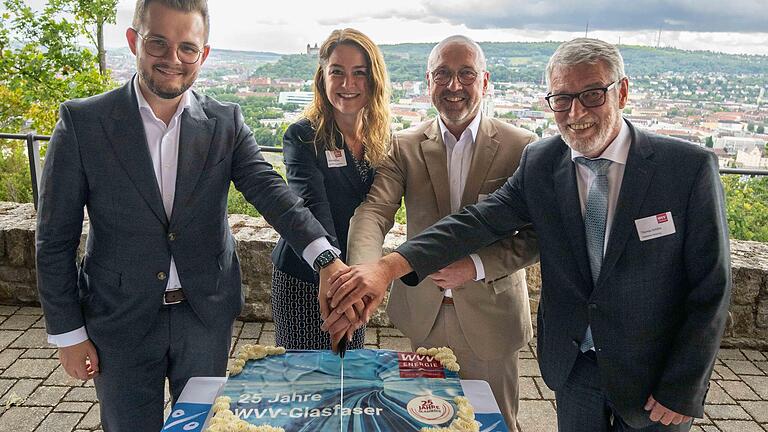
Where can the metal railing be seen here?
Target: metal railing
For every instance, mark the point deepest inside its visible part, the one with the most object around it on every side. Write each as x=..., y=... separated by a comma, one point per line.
x=33, y=155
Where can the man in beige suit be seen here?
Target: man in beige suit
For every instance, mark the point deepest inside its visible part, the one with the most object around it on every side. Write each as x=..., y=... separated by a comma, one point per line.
x=478, y=305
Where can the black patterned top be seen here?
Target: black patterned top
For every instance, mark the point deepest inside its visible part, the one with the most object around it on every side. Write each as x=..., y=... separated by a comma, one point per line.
x=363, y=167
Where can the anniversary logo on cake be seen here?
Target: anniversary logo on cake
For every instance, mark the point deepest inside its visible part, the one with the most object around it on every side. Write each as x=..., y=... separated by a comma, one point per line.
x=300, y=391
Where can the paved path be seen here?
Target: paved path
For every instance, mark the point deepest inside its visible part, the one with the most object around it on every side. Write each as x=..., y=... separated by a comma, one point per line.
x=37, y=396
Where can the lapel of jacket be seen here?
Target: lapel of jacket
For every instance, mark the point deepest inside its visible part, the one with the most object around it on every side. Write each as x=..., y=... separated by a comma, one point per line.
x=634, y=186
x=194, y=143
x=436, y=160
x=125, y=131
x=486, y=145
x=567, y=195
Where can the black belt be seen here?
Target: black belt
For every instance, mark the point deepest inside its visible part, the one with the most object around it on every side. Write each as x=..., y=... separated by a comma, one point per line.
x=174, y=296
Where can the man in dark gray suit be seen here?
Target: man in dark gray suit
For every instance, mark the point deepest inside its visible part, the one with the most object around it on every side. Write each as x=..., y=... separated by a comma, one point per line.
x=159, y=287
x=634, y=246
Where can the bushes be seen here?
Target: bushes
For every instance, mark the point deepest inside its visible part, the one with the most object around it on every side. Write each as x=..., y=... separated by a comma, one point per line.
x=747, y=207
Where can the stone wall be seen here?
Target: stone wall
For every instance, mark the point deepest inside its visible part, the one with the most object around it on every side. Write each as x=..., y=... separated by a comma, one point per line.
x=748, y=326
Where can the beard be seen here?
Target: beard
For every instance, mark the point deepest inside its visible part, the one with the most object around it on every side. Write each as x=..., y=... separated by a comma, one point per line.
x=594, y=145
x=165, y=91
x=452, y=113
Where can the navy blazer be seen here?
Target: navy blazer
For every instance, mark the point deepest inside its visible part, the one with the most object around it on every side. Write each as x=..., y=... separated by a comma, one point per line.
x=98, y=158
x=331, y=194
x=659, y=307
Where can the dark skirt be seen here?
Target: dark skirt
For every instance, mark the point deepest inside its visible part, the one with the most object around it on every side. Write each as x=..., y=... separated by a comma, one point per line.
x=296, y=314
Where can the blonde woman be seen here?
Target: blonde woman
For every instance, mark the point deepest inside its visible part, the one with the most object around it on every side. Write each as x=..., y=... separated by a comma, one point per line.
x=330, y=157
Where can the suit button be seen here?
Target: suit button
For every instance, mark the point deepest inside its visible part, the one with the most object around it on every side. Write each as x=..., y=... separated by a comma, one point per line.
x=576, y=343
x=162, y=276
x=171, y=236
x=592, y=306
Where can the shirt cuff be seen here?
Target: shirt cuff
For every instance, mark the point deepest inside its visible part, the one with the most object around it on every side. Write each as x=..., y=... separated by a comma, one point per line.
x=318, y=246
x=479, y=269
x=73, y=337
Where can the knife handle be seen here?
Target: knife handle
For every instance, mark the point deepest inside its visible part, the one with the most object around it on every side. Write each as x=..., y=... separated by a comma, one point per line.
x=343, y=346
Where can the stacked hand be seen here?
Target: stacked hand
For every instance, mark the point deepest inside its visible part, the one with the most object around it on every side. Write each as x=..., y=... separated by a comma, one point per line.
x=349, y=295
x=345, y=322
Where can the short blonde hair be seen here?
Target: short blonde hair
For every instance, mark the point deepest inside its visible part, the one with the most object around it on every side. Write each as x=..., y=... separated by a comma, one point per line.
x=376, y=116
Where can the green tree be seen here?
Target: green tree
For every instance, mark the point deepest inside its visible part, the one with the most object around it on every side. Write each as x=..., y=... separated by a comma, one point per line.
x=710, y=143
x=41, y=65
x=750, y=127
x=91, y=16
x=760, y=129
x=747, y=207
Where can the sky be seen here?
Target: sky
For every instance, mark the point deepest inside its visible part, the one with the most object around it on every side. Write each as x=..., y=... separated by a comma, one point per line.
x=732, y=26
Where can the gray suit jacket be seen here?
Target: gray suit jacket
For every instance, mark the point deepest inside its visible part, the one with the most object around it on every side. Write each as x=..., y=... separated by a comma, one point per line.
x=98, y=158
x=494, y=314
x=659, y=307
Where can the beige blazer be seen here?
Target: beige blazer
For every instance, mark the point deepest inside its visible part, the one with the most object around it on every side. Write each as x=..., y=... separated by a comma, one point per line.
x=494, y=314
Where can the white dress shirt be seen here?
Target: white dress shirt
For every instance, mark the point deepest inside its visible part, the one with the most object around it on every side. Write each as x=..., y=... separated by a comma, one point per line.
x=163, y=146
x=459, y=157
x=616, y=152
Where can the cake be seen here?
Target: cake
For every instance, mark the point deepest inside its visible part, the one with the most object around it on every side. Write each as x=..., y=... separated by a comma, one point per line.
x=272, y=390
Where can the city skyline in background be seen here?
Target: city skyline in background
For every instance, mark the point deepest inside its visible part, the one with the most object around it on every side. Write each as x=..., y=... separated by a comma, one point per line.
x=737, y=26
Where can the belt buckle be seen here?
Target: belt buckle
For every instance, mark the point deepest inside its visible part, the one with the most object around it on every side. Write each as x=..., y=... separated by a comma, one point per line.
x=172, y=293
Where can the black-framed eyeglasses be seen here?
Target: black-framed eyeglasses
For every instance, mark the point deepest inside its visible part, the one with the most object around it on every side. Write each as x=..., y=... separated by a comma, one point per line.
x=588, y=98
x=157, y=46
x=465, y=76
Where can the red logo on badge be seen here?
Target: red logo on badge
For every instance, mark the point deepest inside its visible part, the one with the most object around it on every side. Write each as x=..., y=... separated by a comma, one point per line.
x=661, y=218
x=414, y=365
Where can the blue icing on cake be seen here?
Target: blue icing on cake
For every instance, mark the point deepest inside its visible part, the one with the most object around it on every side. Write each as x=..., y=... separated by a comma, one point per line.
x=383, y=391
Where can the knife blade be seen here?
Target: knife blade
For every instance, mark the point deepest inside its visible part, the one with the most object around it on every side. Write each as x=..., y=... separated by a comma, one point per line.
x=342, y=352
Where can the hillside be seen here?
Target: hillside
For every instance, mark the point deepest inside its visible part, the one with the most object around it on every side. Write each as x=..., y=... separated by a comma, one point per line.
x=518, y=61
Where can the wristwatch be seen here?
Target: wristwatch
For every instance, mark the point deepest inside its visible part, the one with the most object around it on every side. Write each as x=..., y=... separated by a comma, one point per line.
x=325, y=259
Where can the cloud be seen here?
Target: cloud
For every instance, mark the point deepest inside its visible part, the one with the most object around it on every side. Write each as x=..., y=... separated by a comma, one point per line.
x=741, y=16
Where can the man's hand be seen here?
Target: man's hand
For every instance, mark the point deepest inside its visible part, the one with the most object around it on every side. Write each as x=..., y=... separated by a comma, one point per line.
x=660, y=413
x=456, y=274
x=80, y=361
x=367, y=282
x=352, y=317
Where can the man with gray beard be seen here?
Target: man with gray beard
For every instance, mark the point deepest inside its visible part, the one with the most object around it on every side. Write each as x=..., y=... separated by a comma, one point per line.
x=635, y=264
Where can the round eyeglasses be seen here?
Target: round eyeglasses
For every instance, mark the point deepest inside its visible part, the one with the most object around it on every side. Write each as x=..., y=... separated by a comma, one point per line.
x=591, y=98
x=157, y=46
x=443, y=77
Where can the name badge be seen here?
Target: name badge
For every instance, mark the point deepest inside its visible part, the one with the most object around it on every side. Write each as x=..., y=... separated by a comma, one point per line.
x=336, y=158
x=656, y=226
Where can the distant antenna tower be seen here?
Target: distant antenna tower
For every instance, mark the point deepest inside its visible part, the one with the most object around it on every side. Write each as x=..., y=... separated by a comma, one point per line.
x=586, y=30
x=658, y=38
